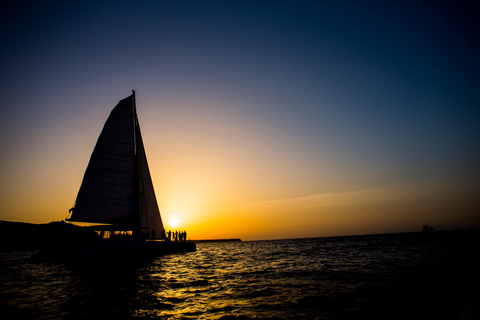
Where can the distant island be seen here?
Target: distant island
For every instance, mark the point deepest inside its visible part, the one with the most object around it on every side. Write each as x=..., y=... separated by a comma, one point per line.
x=216, y=240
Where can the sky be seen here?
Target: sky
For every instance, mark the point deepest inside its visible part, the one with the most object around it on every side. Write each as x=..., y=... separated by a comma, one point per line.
x=260, y=119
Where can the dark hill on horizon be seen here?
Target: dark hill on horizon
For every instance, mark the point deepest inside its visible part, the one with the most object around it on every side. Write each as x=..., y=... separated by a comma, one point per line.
x=30, y=236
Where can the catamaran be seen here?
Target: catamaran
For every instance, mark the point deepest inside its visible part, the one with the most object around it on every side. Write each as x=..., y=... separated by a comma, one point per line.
x=117, y=190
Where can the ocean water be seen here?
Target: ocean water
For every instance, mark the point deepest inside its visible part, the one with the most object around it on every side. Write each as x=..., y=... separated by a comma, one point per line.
x=395, y=276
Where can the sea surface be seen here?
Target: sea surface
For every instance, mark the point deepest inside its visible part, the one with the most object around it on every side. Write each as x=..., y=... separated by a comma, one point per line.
x=394, y=276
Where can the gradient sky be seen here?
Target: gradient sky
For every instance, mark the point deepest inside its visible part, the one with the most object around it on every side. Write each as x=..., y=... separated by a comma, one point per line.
x=261, y=119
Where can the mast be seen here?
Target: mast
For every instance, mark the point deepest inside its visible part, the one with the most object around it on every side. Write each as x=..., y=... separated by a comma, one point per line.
x=137, y=227
x=135, y=121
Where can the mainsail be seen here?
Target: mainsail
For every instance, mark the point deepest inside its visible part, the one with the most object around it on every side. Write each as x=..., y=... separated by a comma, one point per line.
x=117, y=188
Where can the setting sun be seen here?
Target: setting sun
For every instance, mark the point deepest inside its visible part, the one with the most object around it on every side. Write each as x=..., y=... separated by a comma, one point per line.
x=173, y=222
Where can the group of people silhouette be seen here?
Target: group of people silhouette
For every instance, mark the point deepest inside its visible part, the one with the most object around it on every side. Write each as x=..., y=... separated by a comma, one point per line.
x=167, y=236
x=175, y=235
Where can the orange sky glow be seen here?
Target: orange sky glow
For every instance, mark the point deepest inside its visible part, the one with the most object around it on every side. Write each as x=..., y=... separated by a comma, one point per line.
x=220, y=181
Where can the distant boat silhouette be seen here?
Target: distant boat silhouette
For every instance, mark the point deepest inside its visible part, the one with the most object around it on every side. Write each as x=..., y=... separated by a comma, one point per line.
x=427, y=228
x=117, y=189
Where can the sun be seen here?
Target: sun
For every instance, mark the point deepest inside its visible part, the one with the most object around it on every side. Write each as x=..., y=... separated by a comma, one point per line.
x=174, y=222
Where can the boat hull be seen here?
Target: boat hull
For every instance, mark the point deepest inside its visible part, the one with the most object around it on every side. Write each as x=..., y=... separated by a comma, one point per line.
x=138, y=248
x=114, y=249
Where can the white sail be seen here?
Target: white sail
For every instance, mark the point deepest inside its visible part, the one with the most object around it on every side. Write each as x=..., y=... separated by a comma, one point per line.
x=117, y=187
x=108, y=190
